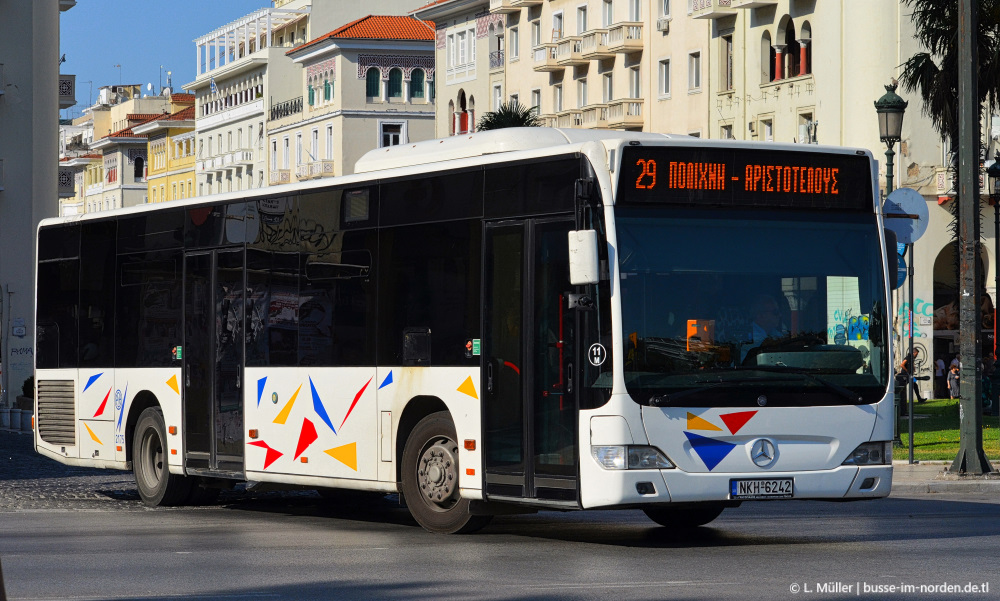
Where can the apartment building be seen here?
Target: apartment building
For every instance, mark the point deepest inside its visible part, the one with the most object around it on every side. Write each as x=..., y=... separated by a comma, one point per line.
x=171, y=149
x=366, y=84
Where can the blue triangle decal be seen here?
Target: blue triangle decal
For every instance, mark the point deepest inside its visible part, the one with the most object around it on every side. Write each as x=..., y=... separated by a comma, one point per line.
x=92, y=379
x=711, y=450
x=386, y=381
x=319, y=408
x=260, y=389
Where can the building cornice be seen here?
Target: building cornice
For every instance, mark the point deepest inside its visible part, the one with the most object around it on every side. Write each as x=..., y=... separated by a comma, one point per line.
x=351, y=113
x=163, y=125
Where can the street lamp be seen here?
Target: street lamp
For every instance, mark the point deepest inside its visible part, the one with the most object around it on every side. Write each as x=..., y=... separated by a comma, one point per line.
x=993, y=175
x=890, y=108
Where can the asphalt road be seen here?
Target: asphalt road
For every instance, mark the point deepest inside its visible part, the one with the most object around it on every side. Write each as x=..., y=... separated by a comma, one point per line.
x=83, y=534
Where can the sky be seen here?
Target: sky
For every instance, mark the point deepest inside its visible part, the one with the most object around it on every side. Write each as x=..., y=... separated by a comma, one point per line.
x=98, y=35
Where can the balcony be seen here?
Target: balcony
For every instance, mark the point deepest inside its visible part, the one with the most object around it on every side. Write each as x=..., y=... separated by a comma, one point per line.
x=594, y=116
x=67, y=182
x=286, y=108
x=713, y=9
x=240, y=157
x=570, y=118
x=321, y=169
x=67, y=91
x=279, y=176
x=625, y=37
x=545, y=58
x=546, y=120
x=496, y=60
x=625, y=113
x=302, y=171
x=523, y=3
x=504, y=6
x=569, y=52
x=753, y=3
x=594, y=45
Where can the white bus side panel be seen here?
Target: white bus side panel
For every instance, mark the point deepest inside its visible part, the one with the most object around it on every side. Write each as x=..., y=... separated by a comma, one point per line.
x=165, y=386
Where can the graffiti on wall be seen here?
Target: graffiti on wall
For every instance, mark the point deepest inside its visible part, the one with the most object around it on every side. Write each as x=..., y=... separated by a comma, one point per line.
x=921, y=308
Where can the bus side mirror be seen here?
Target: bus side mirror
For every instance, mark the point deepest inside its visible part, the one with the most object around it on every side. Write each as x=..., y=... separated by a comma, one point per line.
x=584, y=267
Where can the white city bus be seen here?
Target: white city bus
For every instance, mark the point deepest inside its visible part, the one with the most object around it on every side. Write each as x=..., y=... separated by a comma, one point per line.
x=503, y=322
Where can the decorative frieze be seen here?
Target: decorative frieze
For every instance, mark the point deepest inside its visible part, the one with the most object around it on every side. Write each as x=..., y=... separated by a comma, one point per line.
x=387, y=62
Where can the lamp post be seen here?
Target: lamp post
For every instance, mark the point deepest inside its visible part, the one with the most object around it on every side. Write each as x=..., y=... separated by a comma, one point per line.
x=890, y=108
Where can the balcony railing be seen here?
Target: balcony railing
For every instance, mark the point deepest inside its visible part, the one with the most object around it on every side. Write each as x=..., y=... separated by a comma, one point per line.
x=67, y=91
x=286, y=108
x=594, y=116
x=321, y=169
x=625, y=37
x=570, y=118
x=569, y=52
x=713, y=9
x=302, y=171
x=241, y=157
x=625, y=112
x=594, y=44
x=496, y=59
x=504, y=6
x=279, y=176
x=545, y=58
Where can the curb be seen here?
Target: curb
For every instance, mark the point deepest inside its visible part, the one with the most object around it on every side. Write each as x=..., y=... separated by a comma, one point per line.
x=946, y=486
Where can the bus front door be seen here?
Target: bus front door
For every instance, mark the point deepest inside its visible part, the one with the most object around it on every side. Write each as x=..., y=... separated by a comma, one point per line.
x=529, y=405
x=213, y=362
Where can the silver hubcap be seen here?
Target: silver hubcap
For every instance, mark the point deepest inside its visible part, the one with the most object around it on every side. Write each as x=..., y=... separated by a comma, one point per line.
x=437, y=473
x=152, y=456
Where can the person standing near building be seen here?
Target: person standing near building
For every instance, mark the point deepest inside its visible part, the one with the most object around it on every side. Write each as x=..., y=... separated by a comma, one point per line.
x=940, y=378
x=954, y=382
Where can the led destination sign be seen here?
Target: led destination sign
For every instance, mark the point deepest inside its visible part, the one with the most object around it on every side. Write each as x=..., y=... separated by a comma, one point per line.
x=737, y=177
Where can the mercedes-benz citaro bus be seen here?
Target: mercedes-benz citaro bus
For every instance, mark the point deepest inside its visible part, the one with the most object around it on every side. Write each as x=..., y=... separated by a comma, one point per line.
x=500, y=322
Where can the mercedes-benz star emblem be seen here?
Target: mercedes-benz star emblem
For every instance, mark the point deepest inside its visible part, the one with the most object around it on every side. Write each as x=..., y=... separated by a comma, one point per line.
x=763, y=452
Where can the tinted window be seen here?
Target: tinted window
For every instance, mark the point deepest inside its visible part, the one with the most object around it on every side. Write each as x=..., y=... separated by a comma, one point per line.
x=451, y=196
x=163, y=229
x=204, y=226
x=272, y=327
x=58, y=296
x=148, y=317
x=429, y=280
x=97, y=294
x=536, y=188
x=58, y=242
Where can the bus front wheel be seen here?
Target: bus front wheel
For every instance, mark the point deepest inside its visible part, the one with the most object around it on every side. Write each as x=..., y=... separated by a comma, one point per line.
x=685, y=517
x=157, y=486
x=430, y=478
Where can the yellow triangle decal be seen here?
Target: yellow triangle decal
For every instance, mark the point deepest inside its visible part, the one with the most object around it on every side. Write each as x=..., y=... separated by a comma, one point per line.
x=468, y=388
x=283, y=416
x=172, y=383
x=346, y=454
x=697, y=423
x=92, y=435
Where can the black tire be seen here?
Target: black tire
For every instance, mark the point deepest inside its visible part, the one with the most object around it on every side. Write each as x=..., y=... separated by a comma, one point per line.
x=684, y=518
x=430, y=478
x=157, y=486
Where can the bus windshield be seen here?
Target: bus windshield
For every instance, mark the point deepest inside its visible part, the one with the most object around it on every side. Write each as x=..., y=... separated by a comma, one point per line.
x=751, y=308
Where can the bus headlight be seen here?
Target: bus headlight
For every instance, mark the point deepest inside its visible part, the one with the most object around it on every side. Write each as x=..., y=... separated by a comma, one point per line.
x=631, y=457
x=871, y=453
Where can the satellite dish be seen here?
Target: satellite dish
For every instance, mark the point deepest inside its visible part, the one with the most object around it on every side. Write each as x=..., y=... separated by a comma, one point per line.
x=149, y=87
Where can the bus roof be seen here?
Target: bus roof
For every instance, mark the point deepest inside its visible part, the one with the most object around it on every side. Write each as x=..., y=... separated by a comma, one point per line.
x=489, y=142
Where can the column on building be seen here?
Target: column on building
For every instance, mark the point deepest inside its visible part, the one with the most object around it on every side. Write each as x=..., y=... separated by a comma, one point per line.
x=779, y=61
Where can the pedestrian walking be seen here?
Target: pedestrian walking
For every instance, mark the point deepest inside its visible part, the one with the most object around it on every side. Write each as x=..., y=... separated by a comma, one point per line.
x=906, y=368
x=940, y=378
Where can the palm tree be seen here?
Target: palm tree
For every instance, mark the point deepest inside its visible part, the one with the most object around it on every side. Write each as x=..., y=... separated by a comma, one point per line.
x=509, y=114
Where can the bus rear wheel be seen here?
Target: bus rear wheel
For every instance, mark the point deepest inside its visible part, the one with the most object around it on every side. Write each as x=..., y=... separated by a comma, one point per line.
x=684, y=517
x=157, y=486
x=430, y=478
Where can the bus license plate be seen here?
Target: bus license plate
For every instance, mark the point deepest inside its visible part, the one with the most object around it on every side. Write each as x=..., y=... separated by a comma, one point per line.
x=776, y=488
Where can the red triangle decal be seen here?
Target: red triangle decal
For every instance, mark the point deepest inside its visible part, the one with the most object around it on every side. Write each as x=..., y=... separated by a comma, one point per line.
x=735, y=421
x=272, y=454
x=100, y=410
x=306, y=437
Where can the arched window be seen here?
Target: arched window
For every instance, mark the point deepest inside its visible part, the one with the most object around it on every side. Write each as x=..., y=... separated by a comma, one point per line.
x=791, y=51
x=805, y=49
x=327, y=90
x=417, y=84
x=396, y=83
x=766, y=58
x=372, y=82
x=312, y=96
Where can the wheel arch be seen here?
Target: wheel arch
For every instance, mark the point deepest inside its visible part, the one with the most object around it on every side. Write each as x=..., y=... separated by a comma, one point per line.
x=415, y=410
x=143, y=400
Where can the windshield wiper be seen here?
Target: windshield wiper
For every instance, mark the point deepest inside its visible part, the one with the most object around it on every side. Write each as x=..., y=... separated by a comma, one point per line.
x=661, y=400
x=846, y=393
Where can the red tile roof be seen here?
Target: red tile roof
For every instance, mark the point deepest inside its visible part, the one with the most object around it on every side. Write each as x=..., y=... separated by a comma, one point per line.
x=182, y=98
x=128, y=133
x=186, y=114
x=142, y=116
x=379, y=28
